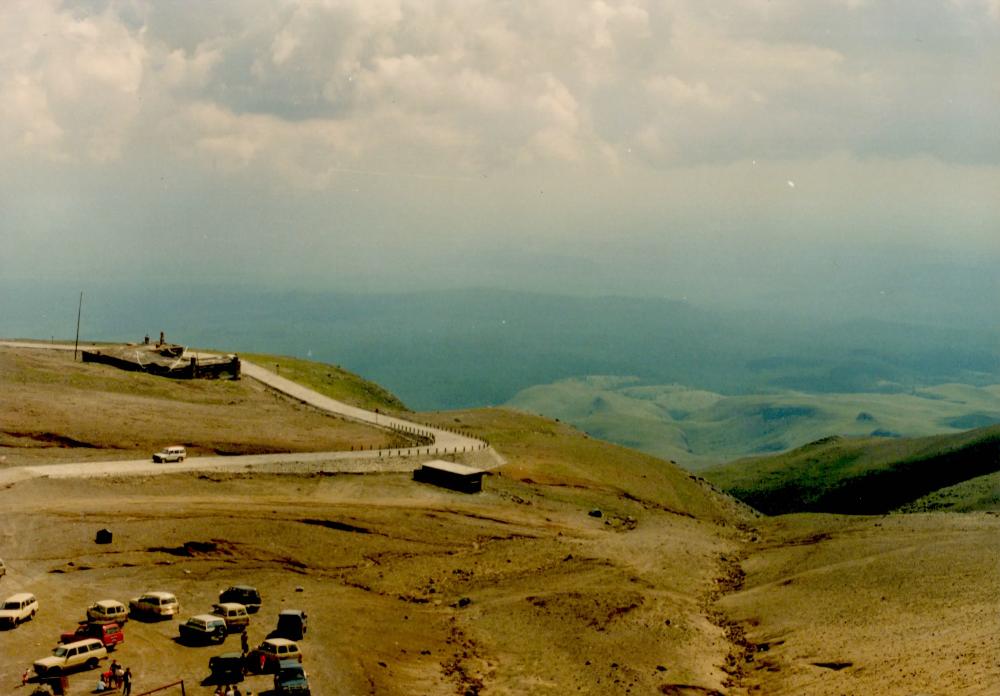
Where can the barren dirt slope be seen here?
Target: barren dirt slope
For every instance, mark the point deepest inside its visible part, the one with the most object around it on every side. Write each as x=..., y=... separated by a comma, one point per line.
x=410, y=588
x=901, y=604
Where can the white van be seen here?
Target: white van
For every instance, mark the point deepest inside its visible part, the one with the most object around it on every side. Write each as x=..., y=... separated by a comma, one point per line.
x=106, y=611
x=174, y=453
x=154, y=605
x=18, y=608
x=86, y=653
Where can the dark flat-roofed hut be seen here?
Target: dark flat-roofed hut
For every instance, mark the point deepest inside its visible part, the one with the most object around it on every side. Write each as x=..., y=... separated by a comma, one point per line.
x=457, y=477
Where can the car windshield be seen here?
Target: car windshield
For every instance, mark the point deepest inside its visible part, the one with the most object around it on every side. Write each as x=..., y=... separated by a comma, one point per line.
x=11, y=605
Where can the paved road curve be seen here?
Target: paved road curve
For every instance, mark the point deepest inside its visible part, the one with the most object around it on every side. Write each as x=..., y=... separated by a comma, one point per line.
x=396, y=459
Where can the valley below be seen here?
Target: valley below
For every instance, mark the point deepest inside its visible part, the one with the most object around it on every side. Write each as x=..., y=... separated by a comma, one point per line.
x=700, y=428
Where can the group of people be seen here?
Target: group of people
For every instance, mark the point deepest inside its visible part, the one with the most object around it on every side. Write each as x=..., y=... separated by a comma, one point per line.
x=231, y=690
x=116, y=677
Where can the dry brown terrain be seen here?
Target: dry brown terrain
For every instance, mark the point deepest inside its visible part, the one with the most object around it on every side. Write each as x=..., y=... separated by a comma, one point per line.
x=673, y=589
x=557, y=599
x=902, y=604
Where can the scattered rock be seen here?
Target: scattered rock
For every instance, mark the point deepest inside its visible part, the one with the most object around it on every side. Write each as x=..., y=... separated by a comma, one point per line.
x=596, y=512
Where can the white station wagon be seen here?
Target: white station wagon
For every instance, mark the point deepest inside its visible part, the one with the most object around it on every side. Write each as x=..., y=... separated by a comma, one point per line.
x=174, y=453
x=86, y=653
x=154, y=604
x=18, y=608
x=106, y=611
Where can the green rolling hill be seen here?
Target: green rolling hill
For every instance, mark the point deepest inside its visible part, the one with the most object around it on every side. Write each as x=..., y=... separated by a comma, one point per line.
x=870, y=475
x=700, y=428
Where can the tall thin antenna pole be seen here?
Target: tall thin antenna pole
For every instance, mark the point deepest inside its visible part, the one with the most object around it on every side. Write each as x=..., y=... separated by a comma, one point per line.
x=78, y=310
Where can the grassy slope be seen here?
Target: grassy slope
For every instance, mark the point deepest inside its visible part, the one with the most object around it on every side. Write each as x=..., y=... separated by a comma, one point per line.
x=976, y=494
x=332, y=381
x=56, y=409
x=699, y=428
x=552, y=454
x=868, y=476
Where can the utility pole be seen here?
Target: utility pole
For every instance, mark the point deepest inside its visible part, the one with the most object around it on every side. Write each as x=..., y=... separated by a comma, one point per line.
x=78, y=310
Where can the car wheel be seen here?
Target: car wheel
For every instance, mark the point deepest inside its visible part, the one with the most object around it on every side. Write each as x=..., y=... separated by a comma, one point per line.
x=91, y=663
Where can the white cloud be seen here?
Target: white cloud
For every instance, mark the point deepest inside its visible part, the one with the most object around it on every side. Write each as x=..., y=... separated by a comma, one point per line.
x=479, y=86
x=72, y=81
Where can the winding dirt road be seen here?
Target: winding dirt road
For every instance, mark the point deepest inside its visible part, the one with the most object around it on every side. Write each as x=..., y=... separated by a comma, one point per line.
x=443, y=442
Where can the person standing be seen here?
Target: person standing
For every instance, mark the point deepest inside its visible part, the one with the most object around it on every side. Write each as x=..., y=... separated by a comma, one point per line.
x=127, y=682
x=244, y=643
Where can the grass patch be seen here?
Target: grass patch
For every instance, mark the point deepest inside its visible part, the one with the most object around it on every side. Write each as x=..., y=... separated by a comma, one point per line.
x=580, y=470
x=330, y=380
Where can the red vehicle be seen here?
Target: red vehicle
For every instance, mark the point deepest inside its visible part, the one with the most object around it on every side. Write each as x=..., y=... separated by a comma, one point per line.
x=110, y=634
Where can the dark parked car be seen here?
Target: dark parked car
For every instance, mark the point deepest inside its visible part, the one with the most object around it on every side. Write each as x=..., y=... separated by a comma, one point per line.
x=242, y=594
x=203, y=628
x=226, y=668
x=291, y=678
x=292, y=624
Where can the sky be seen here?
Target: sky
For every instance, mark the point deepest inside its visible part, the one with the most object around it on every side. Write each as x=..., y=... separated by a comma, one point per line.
x=711, y=151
